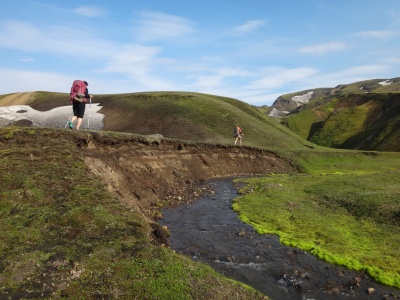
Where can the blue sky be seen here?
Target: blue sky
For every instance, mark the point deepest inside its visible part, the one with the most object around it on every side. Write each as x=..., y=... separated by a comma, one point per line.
x=252, y=50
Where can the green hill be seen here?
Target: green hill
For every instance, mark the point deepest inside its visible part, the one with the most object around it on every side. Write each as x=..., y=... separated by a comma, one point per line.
x=363, y=115
x=183, y=115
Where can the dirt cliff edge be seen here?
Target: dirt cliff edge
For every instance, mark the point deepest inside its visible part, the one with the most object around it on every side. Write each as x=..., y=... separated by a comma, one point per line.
x=147, y=171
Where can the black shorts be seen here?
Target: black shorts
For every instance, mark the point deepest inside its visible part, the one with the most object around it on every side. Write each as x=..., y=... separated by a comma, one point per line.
x=78, y=109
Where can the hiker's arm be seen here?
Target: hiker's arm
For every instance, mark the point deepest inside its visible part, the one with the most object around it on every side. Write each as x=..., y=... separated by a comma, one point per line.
x=87, y=95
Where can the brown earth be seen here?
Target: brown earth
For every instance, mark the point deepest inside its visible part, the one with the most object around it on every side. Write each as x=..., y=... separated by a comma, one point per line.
x=147, y=172
x=17, y=99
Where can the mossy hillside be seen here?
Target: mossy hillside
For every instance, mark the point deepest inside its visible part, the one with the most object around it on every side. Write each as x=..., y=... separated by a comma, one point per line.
x=383, y=135
x=301, y=122
x=388, y=138
x=43, y=101
x=328, y=161
x=351, y=121
x=309, y=118
x=391, y=88
x=368, y=86
x=195, y=116
x=65, y=236
x=340, y=126
x=345, y=211
x=372, y=86
x=360, y=87
x=380, y=129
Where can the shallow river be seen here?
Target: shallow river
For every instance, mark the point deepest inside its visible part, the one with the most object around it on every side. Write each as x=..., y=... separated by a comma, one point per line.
x=209, y=231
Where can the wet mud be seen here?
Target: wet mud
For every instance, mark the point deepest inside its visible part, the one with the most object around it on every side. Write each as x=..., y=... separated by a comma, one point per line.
x=209, y=231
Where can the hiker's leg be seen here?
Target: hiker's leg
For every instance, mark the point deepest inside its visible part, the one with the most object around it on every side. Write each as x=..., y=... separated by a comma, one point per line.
x=75, y=107
x=71, y=122
x=79, y=123
x=80, y=113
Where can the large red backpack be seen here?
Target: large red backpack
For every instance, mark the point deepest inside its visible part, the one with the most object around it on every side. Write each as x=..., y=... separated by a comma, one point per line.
x=78, y=90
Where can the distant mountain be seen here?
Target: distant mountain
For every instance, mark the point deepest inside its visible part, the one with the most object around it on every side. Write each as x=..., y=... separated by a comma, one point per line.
x=363, y=115
x=286, y=103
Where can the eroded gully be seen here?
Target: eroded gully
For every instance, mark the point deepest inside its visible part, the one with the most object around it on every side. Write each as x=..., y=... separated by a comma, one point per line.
x=209, y=231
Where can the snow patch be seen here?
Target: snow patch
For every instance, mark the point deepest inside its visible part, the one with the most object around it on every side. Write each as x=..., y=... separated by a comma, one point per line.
x=277, y=113
x=386, y=82
x=303, y=98
x=56, y=117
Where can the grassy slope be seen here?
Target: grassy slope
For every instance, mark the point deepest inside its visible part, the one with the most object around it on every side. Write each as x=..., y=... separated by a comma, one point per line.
x=65, y=236
x=185, y=115
x=194, y=116
x=346, y=211
x=367, y=121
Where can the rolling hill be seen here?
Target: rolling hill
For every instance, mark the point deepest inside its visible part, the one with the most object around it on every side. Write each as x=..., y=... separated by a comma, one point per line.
x=179, y=115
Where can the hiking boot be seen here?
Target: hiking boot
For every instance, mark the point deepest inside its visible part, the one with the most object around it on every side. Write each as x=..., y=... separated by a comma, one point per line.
x=70, y=125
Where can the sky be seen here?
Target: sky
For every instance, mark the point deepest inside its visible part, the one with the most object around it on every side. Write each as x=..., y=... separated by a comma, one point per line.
x=250, y=50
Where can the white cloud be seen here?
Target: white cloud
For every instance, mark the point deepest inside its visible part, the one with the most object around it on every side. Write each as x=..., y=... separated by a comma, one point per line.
x=158, y=26
x=248, y=27
x=207, y=81
x=13, y=81
x=52, y=39
x=279, y=77
x=215, y=77
x=141, y=66
x=323, y=48
x=232, y=71
x=19, y=35
x=132, y=59
x=256, y=97
x=376, y=34
x=26, y=59
x=136, y=61
x=390, y=60
x=262, y=99
x=89, y=11
x=366, y=70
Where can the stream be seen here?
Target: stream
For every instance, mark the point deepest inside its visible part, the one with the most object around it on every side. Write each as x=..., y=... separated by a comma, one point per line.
x=209, y=231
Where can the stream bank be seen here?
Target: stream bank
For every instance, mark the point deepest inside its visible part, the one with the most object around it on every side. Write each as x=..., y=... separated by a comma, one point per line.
x=209, y=231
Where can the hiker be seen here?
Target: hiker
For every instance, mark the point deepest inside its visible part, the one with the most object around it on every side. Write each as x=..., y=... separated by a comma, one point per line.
x=78, y=107
x=238, y=134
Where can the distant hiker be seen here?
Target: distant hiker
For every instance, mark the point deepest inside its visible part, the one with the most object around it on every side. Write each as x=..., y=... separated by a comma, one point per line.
x=237, y=133
x=78, y=96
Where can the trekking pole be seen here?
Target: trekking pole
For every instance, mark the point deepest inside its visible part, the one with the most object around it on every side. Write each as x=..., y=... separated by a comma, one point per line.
x=90, y=104
x=69, y=119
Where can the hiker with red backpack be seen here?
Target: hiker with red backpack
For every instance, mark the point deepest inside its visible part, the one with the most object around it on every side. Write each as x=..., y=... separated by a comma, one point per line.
x=238, y=134
x=78, y=96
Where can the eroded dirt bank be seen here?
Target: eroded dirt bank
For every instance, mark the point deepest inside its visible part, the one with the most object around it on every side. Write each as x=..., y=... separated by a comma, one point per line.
x=148, y=171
